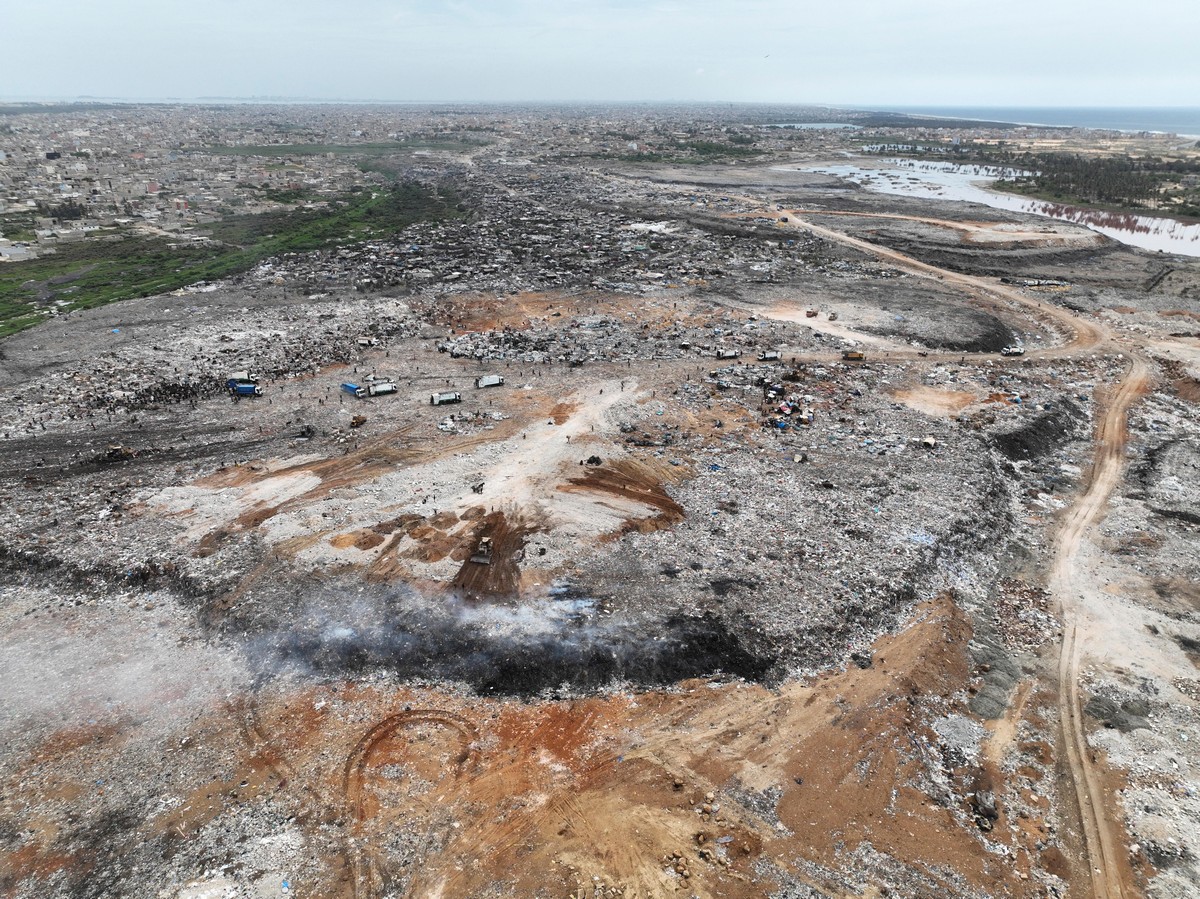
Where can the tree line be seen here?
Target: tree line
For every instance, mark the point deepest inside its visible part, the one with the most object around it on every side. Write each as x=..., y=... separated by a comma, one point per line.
x=1102, y=180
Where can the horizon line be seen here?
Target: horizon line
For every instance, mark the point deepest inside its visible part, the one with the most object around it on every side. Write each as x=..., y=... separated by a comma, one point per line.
x=848, y=107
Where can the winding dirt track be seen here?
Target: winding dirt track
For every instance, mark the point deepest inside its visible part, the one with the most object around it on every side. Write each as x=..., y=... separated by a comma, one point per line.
x=1101, y=840
x=1085, y=334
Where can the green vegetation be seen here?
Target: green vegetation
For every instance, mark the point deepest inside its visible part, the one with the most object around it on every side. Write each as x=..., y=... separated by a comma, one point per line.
x=306, y=150
x=1113, y=183
x=18, y=226
x=290, y=195
x=120, y=266
x=1121, y=183
x=67, y=211
x=712, y=148
x=697, y=152
x=391, y=167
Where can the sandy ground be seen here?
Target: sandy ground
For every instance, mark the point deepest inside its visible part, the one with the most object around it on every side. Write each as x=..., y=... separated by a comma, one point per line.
x=1052, y=234
x=935, y=401
x=535, y=477
x=797, y=313
x=629, y=793
x=1086, y=334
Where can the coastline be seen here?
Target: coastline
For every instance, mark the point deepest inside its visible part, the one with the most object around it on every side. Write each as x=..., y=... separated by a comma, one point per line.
x=1017, y=117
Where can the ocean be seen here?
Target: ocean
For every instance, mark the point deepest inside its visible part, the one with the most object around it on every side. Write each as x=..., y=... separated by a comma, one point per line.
x=1174, y=119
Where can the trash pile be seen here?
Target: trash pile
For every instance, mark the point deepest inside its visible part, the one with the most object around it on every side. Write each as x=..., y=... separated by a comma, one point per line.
x=279, y=336
x=813, y=537
x=564, y=230
x=470, y=422
x=591, y=338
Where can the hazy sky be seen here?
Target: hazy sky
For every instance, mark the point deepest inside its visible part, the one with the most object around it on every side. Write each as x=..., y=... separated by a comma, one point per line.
x=860, y=52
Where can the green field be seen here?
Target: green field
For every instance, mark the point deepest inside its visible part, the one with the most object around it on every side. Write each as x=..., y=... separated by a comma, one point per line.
x=696, y=152
x=121, y=266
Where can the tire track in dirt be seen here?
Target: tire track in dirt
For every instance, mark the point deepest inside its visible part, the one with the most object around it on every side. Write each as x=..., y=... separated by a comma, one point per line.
x=364, y=867
x=1101, y=842
x=1085, y=334
x=1105, y=867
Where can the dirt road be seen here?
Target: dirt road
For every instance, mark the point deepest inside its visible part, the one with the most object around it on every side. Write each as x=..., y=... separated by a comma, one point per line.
x=1085, y=334
x=1101, y=841
x=982, y=232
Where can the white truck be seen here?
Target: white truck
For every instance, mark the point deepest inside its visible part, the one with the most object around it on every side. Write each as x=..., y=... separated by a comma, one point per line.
x=489, y=381
x=443, y=399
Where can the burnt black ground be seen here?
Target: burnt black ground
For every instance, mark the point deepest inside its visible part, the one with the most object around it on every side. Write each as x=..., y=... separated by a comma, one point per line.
x=521, y=651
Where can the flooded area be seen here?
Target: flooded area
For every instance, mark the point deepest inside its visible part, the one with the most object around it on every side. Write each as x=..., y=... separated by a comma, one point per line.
x=968, y=184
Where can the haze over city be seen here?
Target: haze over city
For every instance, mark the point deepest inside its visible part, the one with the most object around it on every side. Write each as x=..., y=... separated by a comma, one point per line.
x=872, y=52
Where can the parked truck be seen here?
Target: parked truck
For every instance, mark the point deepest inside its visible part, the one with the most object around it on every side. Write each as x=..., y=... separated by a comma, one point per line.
x=242, y=388
x=490, y=381
x=381, y=388
x=853, y=355
x=242, y=383
x=354, y=389
x=728, y=354
x=442, y=399
x=769, y=356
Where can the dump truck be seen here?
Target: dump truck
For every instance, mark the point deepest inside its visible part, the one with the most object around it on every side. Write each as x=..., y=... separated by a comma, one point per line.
x=243, y=388
x=853, y=355
x=483, y=552
x=490, y=381
x=443, y=399
x=354, y=389
x=242, y=383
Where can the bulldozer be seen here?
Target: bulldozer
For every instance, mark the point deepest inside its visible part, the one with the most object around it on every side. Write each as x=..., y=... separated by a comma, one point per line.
x=483, y=552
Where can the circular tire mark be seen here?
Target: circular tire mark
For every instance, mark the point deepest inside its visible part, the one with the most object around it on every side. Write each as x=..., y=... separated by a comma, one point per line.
x=366, y=869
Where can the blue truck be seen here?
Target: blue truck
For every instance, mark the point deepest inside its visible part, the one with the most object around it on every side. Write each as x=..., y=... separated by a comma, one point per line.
x=237, y=387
